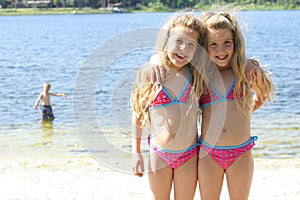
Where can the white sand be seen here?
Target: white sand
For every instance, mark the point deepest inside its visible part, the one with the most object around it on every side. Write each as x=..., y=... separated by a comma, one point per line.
x=85, y=179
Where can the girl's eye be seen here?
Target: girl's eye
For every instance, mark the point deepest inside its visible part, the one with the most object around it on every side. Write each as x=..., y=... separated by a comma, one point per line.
x=179, y=42
x=228, y=43
x=191, y=45
x=213, y=45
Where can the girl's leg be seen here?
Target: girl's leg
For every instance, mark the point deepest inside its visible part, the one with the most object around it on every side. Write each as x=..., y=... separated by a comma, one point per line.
x=160, y=178
x=210, y=176
x=185, y=180
x=239, y=177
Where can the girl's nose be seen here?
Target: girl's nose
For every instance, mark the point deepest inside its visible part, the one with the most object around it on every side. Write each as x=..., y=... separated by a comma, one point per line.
x=182, y=46
x=221, y=48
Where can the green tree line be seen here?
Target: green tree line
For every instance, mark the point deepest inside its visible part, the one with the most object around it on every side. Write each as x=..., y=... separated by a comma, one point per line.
x=142, y=4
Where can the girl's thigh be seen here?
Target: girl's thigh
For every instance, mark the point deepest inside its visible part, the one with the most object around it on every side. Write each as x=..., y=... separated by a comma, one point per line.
x=210, y=177
x=239, y=177
x=160, y=178
x=185, y=180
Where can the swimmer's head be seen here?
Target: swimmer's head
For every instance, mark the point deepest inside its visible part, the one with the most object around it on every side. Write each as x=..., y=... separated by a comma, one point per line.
x=47, y=86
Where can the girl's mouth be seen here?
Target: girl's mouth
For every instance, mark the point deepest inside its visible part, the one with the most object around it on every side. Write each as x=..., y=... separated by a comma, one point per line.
x=222, y=57
x=181, y=57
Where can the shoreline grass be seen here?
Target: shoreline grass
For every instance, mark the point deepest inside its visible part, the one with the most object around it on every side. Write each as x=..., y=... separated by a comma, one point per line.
x=64, y=11
x=50, y=11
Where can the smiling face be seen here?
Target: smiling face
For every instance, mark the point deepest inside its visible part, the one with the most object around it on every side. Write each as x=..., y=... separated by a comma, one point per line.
x=182, y=45
x=220, y=46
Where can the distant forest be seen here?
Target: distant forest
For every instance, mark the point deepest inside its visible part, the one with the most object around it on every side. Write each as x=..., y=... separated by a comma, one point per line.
x=175, y=4
x=151, y=5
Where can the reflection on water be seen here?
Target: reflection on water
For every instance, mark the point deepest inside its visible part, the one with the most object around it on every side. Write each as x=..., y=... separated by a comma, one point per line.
x=47, y=126
x=47, y=132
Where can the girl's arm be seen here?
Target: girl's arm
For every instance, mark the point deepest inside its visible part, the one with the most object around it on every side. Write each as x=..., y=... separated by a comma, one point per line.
x=138, y=160
x=260, y=83
x=259, y=89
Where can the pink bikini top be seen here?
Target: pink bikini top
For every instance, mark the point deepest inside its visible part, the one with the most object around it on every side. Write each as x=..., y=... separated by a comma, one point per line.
x=212, y=96
x=163, y=98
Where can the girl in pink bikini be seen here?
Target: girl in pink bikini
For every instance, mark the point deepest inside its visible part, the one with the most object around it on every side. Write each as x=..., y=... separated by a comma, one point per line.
x=170, y=112
x=226, y=142
x=236, y=88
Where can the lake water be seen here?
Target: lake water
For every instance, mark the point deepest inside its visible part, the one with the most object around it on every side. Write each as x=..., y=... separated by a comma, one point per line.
x=58, y=49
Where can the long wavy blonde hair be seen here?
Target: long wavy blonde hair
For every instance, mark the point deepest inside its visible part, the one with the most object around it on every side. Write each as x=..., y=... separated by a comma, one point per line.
x=227, y=20
x=143, y=91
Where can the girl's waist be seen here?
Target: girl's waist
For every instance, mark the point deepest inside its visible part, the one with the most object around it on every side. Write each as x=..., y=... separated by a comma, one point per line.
x=173, y=143
x=227, y=144
x=226, y=135
x=179, y=130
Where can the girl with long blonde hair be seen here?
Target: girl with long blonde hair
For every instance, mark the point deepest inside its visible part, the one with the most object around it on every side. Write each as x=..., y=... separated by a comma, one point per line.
x=170, y=111
x=234, y=92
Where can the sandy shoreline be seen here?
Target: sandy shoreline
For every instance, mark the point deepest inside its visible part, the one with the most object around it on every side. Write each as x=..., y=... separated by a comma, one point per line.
x=85, y=178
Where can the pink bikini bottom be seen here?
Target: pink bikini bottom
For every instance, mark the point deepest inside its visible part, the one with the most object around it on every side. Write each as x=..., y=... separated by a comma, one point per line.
x=226, y=155
x=175, y=158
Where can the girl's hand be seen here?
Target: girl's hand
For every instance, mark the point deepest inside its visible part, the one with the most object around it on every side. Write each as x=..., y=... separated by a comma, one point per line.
x=138, y=165
x=251, y=72
x=157, y=74
x=257, y=83
x=156, y=71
